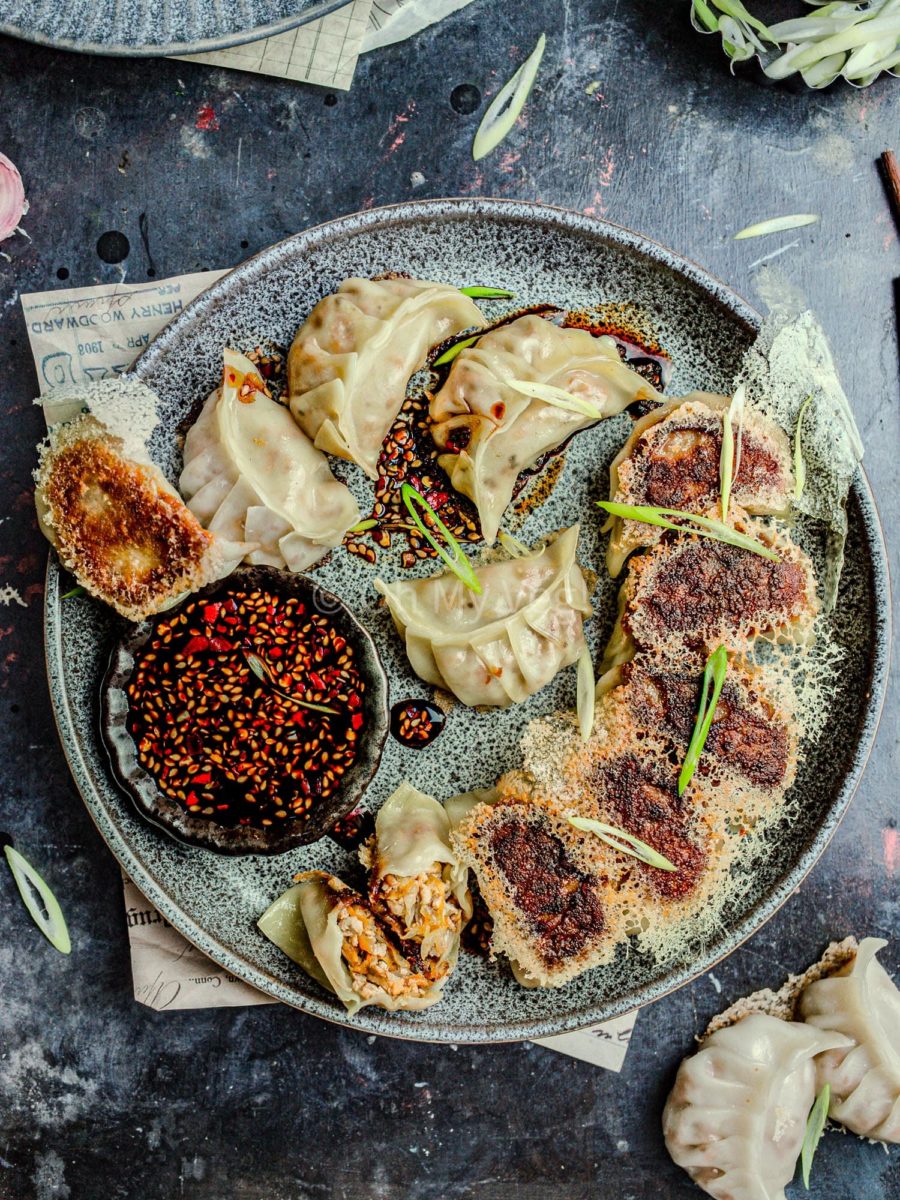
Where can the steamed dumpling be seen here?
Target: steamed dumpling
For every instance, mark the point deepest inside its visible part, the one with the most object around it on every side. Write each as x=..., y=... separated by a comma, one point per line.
x=500, y=646
x=736, y=1117
x=417, y=884
x=490, y=432
x=331, y=932
x=251, y=475
x=352, y=359
x=862, y=1002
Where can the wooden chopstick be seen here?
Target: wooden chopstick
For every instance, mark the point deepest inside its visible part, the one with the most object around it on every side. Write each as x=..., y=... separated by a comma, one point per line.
x=890, y=170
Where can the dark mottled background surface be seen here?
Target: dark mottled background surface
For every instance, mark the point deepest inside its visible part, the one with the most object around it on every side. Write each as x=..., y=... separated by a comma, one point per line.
x=101, y=1098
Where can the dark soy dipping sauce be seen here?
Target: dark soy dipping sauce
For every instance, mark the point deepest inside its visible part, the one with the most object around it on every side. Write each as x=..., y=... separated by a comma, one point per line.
x=416, y=723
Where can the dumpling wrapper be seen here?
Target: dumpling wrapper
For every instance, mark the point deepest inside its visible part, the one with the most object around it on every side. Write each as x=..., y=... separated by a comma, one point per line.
x=412, y=834
x=736, y=1117
x=252, y=476
x=303, y=923
x=490, y=432
x=351, y=360
x=862, y=1002
x=502, y=646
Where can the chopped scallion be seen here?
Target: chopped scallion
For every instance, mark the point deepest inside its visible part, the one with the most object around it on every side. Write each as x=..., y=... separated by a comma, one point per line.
x=624, y=842
x=799, y=462
x=457, y=561
x=504, y=109
x=776, y=225
x=264, y=672
x=815, y=1126
x=585, y=699
x=556, y=396
x=513, y=547
x=72, y=593
x=730, y=459
x=449, y=355
x=51, y=922
x=362, y=526
x=713, y=679
x=487, y=293
x=706, y=527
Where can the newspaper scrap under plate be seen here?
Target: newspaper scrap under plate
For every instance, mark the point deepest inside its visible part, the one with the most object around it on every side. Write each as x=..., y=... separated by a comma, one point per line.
x=81, y=335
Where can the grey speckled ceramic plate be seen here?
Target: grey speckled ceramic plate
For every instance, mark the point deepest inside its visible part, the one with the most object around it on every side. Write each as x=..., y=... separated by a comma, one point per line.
x=153, y=27
x=542, y=255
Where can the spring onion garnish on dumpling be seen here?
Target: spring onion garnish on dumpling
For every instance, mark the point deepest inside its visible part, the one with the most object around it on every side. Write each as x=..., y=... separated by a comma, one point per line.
x=504, y=109
x=713, y=679
x=799, y=461
x=456, y=561
x=815, y=1127
x=557, y=396
x=449, y=355
x=706, y=527
x=620, y=840
x=47, y=914
x=730, y=458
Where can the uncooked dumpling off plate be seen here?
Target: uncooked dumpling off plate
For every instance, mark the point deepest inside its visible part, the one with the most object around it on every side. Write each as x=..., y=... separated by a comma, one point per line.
x=542, y=255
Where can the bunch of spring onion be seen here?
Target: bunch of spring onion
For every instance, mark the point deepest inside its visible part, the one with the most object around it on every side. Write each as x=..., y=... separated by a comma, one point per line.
x=852, y=39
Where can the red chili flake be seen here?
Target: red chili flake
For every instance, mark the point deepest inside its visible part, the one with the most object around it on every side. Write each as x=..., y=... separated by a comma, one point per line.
x=220, y=645
x=354, y=701
x=317, y=681
x=274, y=652
x=498, y=410
x=211, y=612
x=436, y=499
x=196, y=644
x=191, y=798
x=207, y=119
x=203, y=777
x=356, y=721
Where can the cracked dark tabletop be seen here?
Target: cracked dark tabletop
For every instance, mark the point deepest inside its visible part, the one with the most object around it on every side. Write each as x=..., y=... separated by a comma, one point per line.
x=99, y=1096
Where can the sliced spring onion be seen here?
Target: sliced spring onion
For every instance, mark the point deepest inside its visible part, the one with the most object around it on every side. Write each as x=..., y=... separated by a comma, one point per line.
x=556, y=396
x=620, y=840
x=713, y=679
x=815, y=1126
x=51, y=922
x=799, y=462
x=75, y=591
x=777, y=225
x=362, y=526
x=585, y=702
x=264, y=672
x=729, y=460
x=449, y=355
x=488, y=293
x=504, y=109
x=707, y=527
x=457, y=561
x=513, y=547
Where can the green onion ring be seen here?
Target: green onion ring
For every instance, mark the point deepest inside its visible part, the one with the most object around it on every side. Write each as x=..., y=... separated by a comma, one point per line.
x=713, y=678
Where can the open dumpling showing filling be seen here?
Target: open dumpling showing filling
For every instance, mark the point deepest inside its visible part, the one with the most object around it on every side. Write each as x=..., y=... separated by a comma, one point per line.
x=500, y=646
x=352, y=359
x=252, y=476
x=489, y=432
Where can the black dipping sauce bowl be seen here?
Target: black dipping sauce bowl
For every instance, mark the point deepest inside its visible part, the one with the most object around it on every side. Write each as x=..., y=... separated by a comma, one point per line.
x=228, y=817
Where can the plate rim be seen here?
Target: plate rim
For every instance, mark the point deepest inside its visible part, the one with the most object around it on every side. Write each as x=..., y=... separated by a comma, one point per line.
x=752, y=921
x=174, y=49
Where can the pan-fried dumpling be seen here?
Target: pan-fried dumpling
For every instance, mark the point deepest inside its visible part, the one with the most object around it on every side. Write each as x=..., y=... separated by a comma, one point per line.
x=736, y=1117
x=490, y=432
x=861, y=1001
x=352, y=358
x=252, y=476
x=500, y=646
x=418, y=886
x=331, y=932
x=671, y=460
